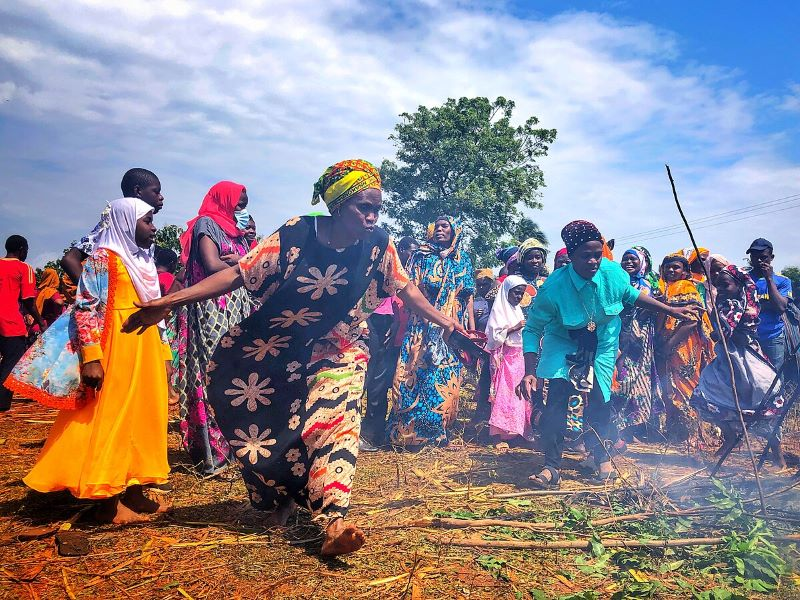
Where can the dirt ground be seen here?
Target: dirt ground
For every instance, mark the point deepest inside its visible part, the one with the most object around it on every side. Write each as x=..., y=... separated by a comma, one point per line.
x=213, y=545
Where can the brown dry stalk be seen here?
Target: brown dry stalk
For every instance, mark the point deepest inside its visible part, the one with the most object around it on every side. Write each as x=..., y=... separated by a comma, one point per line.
x=467, y=523
x=580, y=545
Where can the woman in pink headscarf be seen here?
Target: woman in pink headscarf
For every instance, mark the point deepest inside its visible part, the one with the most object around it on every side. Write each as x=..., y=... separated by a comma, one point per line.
x=213, y=241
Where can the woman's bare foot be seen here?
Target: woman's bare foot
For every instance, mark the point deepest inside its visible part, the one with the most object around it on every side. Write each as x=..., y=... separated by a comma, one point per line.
x=341, y=538
x=279, y=516
x=114, y=511
x=135, y=499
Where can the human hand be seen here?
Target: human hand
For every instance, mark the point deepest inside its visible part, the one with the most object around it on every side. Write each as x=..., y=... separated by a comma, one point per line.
x=230, y=259
x=92, y=375
x=693, y=312
x=527, y=386
x=450, y=328
x=766, y=269
x=149, y=314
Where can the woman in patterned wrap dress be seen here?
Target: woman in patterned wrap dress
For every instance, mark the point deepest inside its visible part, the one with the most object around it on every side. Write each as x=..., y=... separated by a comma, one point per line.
x=427, y=383
x=285, y=383
x=211, y=243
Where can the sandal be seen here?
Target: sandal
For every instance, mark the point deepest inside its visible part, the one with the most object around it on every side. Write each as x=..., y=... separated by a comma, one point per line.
x=543, y=483
x=598, y=478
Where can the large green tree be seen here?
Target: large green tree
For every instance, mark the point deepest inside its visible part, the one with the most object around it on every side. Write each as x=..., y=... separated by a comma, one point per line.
x=466, y=159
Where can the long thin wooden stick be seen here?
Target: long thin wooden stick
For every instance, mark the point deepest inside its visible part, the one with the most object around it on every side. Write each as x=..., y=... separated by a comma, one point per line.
x=582, y=545
x=724, y=345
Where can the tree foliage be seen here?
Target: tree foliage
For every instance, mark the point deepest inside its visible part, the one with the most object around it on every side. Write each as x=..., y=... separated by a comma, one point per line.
x=466, y=159
x=169, y=237
x=793, y=273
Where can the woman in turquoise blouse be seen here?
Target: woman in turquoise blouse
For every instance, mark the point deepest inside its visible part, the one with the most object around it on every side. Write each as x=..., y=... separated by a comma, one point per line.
x=574, y=327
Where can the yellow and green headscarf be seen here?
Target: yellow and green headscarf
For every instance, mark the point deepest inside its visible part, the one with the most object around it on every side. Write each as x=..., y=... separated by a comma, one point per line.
x=531, y=244
x=342, y=181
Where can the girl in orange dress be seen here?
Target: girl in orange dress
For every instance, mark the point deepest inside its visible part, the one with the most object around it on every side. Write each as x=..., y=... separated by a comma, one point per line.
x=114, y=439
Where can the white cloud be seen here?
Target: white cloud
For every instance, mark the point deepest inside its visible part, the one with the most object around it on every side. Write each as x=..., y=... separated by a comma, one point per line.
x=270, y=93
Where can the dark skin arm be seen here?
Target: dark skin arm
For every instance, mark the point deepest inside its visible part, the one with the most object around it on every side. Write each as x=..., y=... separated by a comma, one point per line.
x=92, y=375
x=218, y=284
x=72, y=263
x=211, y=259
x=230, y=279
x=530, y=384
x=777, y=302
x=414, y=300
x=30, y=308
x=471, y=312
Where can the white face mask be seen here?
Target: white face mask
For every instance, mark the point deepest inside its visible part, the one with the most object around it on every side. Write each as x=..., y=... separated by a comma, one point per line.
x=242, y=219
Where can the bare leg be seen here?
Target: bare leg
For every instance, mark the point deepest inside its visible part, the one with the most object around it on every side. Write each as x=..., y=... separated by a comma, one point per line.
x=729, y=439
x=777, y=454
x=341, y=538
x=135, y=499
x=279, y=516
x=113, y=511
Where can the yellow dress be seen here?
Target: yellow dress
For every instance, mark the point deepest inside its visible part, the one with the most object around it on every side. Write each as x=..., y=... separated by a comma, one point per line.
x=120, y=438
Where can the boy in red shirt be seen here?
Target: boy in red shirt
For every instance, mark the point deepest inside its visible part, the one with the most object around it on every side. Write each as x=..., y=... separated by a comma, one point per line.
x=17, y=284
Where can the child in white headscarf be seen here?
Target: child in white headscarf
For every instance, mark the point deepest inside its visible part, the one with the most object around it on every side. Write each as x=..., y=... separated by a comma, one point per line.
x=112, y=440
x=511, y=415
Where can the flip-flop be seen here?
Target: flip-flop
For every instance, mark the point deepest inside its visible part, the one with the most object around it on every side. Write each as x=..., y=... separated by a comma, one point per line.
x=541, y=483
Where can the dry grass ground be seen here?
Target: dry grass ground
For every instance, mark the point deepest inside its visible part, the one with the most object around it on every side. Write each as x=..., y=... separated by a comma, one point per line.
x=213, y=545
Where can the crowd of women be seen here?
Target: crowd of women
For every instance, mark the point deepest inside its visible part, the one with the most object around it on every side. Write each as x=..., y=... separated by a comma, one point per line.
x=265, y=345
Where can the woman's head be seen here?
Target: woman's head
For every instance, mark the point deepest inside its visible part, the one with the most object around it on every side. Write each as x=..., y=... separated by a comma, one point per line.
x=584, y=244
x=406, y=247
x=351, y=189
x=631, y=262
x=515, y=294
x=715, y=264
x=243, y=200
x=145, y=231
x=221, y=203
x=674, y=268
x=358, y=215
x=727, y=285
x=484, y=278
x=532, y=257
x=442, y=231
x=505, y=254
x=561, y=259
x=130, y=227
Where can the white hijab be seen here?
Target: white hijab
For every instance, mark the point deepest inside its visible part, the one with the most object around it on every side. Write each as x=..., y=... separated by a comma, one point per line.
x=504, y=316
x=119, y=236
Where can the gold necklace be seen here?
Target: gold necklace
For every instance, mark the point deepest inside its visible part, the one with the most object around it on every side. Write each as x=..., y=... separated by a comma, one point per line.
x=591, y=325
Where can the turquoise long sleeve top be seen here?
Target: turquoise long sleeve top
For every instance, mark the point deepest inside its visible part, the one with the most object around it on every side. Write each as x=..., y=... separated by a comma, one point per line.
x=568, y=301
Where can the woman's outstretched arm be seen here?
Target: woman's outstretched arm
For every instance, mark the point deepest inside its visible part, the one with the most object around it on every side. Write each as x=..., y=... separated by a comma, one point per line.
x=218, y=284
x=414, y=300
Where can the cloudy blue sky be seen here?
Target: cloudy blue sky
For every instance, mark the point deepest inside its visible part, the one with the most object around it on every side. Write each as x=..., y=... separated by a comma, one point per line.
x=269, y=93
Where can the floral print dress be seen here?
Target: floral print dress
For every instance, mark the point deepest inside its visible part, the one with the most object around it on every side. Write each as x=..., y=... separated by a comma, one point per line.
x=286, y=383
